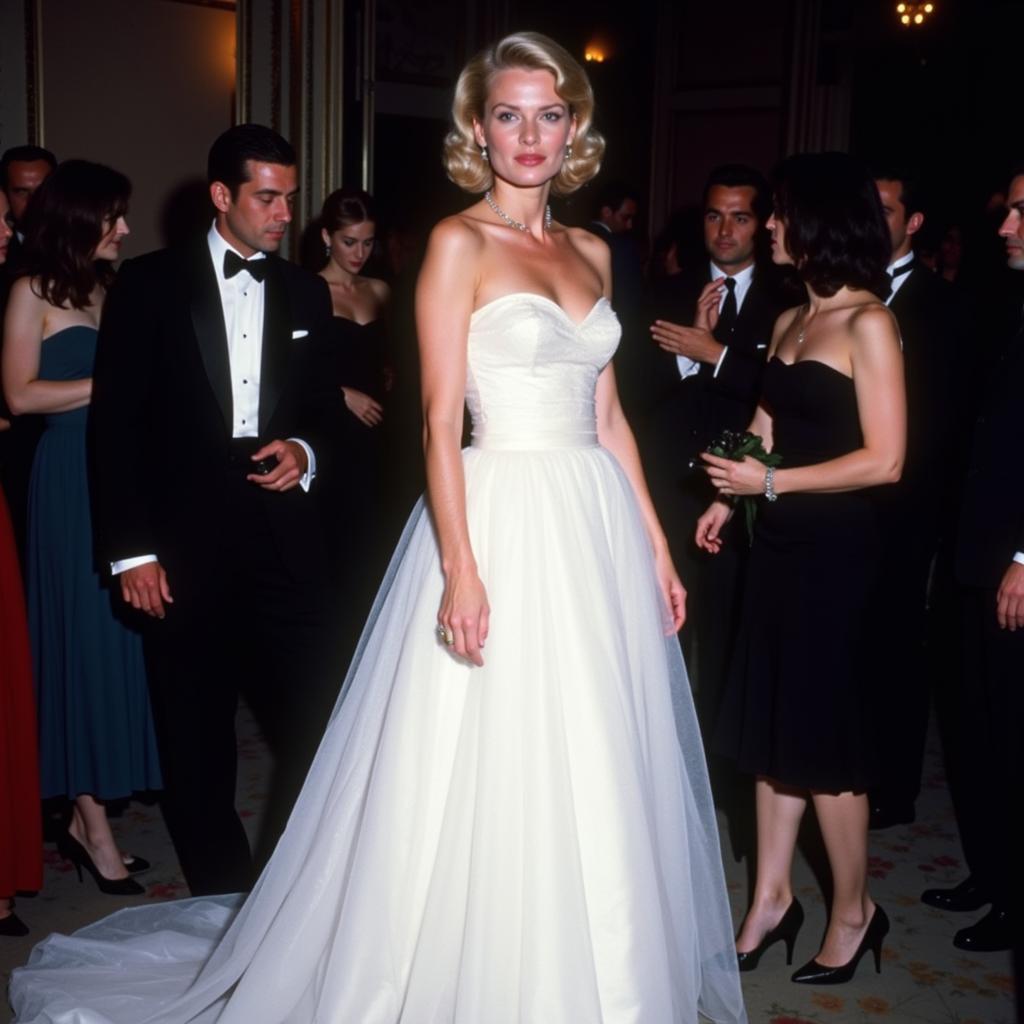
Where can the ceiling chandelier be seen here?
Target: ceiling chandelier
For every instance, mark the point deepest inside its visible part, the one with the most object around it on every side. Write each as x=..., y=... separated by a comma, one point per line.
x=911, y=15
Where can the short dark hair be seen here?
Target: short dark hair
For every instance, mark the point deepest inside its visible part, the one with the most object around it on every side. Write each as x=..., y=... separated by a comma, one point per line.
x=24, y=154
x=741, y=176
x=232, y=150
x=836, y=231
x=347, y=206
x=613, y=195
x=64, y=224
x=912, y=195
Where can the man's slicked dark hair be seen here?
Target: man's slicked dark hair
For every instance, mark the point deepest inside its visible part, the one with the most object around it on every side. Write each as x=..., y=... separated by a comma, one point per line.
x=836, y=231
x=234, y=148
x=741, y=176
x=912, y=195
x=24, y=154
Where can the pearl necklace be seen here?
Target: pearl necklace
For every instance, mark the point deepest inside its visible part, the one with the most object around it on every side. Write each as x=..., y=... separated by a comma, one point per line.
x=510, y=221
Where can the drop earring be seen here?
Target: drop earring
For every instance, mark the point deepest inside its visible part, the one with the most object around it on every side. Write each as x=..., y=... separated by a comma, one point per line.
x=484, y=154
x=327, y=251
x=568, y=151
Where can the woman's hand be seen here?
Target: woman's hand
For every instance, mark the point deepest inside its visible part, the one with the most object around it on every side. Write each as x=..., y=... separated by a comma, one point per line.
x=464, y=614
x=709, y=526
x=363, y=407
x=672, y=591
x=735, y=478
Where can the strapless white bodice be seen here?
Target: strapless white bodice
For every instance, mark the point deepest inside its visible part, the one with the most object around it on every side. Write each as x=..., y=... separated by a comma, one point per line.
x=532, y=372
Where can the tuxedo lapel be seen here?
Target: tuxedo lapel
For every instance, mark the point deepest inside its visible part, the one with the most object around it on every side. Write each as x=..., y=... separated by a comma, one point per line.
x=752, y=313
x=208, y=324
x=276, y=342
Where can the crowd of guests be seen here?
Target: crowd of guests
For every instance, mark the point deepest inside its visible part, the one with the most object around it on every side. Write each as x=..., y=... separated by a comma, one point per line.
x=818, y=631
x=843, y=612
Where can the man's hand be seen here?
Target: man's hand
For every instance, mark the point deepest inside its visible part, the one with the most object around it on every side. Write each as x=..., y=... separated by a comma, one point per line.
x=291, y=465
x=1010, y=599
x=710, y=298
x=145, y=588
x=696, y=343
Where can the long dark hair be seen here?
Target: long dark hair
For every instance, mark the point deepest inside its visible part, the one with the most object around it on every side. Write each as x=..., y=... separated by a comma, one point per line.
x=64, y=223
x=835, y=228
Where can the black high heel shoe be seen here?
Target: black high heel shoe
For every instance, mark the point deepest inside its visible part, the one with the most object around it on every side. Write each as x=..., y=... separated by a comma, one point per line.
x=134, y=864
x=71, y=849
x=12, y=926
x=785, y=931
x=813, y=973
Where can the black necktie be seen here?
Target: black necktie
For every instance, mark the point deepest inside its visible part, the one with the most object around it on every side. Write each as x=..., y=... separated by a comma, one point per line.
x=233, y=263
x=899, y=272
x=727, y=314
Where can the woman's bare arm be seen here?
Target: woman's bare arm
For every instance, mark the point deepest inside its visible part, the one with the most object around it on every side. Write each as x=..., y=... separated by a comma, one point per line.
x=444, y=303
x=25, y=325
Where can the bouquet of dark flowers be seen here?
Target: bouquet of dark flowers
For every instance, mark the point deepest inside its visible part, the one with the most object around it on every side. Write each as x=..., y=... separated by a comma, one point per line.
x=734, y=445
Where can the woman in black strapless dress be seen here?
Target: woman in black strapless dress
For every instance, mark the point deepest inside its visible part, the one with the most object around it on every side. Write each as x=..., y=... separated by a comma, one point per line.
x=833, y=408
x=351, y=497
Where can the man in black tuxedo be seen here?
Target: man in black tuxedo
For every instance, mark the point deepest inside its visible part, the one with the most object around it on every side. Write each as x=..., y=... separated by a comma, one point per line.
x=915, y=513
x=712, y=331
x=210, y=417
x=985, y=750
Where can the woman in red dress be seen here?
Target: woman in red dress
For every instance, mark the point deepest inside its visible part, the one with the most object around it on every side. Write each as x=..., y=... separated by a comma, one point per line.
x=21, y=836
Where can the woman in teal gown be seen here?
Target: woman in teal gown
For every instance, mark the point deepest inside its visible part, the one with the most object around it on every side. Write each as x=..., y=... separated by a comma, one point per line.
x=96, y=733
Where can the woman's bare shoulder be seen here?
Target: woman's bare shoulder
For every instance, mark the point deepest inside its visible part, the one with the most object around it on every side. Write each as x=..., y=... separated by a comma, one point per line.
x=458, y=234
x=871, y=318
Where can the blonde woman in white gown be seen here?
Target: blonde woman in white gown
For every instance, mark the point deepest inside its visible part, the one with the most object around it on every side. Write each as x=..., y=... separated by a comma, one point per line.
x=508, y=820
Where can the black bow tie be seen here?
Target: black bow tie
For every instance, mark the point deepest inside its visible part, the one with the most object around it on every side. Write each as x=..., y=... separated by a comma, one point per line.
x=900, y=271
x=233, y=263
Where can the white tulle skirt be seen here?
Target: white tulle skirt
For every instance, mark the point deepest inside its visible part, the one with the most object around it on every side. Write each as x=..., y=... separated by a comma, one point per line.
x=532, y=841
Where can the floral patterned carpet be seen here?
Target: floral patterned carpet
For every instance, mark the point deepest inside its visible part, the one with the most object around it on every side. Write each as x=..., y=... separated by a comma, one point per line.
x=924, y=979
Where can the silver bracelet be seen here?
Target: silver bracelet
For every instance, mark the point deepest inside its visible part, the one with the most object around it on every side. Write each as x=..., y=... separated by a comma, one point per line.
x=769, y=484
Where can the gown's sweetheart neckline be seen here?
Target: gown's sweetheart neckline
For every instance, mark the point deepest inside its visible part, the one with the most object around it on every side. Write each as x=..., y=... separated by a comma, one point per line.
x=797, y=362
x=545, y=299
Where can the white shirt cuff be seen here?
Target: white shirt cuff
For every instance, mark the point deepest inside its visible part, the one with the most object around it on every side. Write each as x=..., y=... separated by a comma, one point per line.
x=309, y=476
x=116, y=568
x=687, y=367
x=721, y=359
x=1019, y=557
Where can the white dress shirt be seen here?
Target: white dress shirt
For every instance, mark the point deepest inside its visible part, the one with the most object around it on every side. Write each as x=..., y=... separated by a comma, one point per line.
x=242, y=300
x=900, y=279
x=688, y=367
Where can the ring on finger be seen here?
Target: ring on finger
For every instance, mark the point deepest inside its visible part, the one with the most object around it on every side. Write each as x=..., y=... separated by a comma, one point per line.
x=446, y=635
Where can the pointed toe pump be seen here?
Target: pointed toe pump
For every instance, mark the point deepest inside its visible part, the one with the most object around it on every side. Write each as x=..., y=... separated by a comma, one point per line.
x=71, y=849
x=785, y=931
x=813, y=973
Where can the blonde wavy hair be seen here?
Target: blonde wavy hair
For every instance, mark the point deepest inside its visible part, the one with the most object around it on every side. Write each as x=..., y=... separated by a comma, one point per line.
x=535, y=52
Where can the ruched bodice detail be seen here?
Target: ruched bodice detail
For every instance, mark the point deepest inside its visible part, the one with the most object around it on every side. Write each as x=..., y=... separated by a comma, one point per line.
x=532, y=372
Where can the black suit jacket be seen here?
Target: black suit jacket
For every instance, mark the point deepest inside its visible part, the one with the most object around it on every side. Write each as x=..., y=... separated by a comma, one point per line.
x=161, y=414
x=992, y=513
x=682, y=417
x=931, y=326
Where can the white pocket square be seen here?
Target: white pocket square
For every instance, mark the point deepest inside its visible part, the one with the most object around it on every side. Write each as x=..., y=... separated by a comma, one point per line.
x=299, y=334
